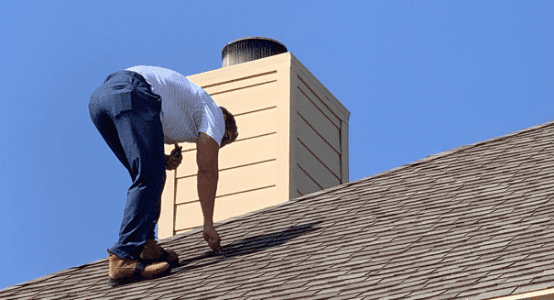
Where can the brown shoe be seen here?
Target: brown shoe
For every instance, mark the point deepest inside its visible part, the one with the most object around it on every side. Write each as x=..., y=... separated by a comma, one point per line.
x=155, y=270
x=152, y=252
x=122, y=271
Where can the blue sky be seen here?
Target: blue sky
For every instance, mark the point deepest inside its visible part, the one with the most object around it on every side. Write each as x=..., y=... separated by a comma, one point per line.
x=419, y=77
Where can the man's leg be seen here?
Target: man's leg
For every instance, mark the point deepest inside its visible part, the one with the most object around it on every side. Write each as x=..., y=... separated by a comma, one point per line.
x=128, y=120
x=127, y=117
x=141, y=137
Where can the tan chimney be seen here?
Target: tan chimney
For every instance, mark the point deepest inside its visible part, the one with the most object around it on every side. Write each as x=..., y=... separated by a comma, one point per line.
x=293, y=137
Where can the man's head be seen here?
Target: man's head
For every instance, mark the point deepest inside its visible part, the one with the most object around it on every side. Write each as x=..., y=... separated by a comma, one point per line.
x=231, y=130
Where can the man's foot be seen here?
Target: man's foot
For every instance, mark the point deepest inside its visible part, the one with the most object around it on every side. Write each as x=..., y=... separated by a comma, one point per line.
x=152, y=253
x=122, y=271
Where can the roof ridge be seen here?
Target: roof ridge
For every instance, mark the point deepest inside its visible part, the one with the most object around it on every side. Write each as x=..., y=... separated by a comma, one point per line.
x=496, y=139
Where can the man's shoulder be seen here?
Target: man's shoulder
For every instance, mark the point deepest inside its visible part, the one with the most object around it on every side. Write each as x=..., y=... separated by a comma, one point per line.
x=157, y=71
x=164, y=78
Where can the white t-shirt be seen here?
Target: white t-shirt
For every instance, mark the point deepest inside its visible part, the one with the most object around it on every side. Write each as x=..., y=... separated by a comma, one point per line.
x=187, y=109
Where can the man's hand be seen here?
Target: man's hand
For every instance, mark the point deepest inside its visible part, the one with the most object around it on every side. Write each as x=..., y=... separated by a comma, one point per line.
x=173, y=160
x=211, y=236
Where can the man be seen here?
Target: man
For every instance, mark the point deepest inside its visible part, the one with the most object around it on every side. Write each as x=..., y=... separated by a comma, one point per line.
x=136, y=111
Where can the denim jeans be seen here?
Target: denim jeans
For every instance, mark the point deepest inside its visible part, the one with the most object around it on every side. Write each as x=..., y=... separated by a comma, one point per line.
x=127, y=115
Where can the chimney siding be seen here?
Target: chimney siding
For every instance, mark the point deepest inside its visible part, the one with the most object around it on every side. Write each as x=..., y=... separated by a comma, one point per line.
x=291, y=142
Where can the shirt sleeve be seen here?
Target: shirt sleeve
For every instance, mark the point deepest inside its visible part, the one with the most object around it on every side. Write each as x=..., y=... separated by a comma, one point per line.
x=209, y=121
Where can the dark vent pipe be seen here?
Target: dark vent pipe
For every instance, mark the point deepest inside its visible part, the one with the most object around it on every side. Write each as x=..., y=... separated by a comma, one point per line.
x=249, y=49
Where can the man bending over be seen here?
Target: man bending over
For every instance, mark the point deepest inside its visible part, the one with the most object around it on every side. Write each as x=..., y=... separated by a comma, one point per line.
x=136, y=111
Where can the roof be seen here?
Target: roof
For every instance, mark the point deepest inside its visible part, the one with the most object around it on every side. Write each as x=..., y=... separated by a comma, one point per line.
x=475, y=222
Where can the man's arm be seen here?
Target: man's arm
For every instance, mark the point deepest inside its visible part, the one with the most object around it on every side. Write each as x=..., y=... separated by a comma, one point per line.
x=207, y=152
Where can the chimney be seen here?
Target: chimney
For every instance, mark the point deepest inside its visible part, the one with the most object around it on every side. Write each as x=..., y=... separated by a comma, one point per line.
x=293, y=137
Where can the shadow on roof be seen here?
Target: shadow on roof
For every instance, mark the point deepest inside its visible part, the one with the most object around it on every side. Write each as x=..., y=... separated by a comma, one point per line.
x=246, y=246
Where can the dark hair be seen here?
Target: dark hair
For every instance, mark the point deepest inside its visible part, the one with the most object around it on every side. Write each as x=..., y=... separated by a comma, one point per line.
x=230, y=125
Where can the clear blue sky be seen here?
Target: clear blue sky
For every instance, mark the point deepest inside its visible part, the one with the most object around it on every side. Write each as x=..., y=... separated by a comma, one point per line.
x=420, y=77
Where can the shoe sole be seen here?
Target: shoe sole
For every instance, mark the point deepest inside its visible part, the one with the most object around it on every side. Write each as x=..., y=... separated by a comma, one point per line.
x=172, y=264
x=113, y=282
x=125, y=280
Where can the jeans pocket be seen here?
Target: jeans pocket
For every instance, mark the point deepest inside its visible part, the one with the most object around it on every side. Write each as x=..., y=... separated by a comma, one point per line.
x=122, y=102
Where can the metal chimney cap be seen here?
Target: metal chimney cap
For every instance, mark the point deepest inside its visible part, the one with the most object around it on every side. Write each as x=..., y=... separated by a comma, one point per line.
x=248, y=49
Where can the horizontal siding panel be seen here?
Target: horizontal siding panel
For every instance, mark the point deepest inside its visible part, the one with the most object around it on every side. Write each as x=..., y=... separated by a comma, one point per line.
x=241, y=82
x=257, y=123
x=303, y=182
x=239, y=204
x=243, y=102
x=314, y=168
x=231, y=181
x=317, y=121
x=251, y=99
x=327, y=154
x=242, y=77
x=240, y=153
x=188, y=215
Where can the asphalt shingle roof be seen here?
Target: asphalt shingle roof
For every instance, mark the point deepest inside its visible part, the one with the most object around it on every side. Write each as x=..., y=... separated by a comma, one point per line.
x=475, y=222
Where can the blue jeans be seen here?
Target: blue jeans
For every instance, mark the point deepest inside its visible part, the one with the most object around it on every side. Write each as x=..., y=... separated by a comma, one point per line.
x=127, y=115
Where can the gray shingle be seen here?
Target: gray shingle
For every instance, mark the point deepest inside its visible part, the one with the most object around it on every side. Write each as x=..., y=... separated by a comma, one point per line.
x=474, y=222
